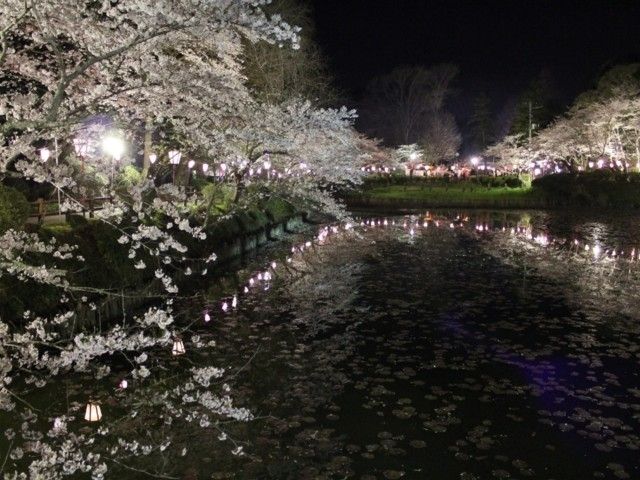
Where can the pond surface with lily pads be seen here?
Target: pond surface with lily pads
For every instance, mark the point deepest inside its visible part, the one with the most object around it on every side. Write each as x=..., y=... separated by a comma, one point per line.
x=439, y=346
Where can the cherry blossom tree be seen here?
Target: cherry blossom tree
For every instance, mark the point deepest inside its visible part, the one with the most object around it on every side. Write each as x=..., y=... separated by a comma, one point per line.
x=411, y=156
x=600, y=130
x=293, y=149
x=375, y=157
x=75, y=74
x=511, y=153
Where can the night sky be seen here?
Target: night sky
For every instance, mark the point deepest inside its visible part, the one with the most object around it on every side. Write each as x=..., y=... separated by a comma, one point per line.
x=498, y=45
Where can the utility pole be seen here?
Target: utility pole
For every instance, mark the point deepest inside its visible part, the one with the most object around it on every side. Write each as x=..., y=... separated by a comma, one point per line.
x=148, y=133
x=55, y=142
x=530, y=121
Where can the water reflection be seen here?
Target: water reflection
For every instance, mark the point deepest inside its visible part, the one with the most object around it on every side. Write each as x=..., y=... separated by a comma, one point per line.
x=435, y=345
x=442, y=345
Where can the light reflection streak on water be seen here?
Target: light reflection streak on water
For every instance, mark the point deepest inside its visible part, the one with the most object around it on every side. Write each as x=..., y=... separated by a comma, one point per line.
x=416, y=223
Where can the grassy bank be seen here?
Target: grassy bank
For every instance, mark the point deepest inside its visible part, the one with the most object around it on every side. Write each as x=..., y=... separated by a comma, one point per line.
x=410, y=196
x=585, y=190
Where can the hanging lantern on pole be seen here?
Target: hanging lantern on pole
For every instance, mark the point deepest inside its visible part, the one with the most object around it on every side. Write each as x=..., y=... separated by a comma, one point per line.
x=174, y=160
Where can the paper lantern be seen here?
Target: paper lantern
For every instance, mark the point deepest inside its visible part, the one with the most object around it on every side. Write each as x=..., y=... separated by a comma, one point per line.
x=93, y=413
x=178, y=347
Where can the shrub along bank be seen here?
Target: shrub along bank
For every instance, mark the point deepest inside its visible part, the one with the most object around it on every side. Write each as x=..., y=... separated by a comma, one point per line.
x=108, y=267
x=14, y=208
x=598, y=189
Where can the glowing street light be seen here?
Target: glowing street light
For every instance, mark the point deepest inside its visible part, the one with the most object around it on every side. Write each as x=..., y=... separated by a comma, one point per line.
x=475, y=160
x=113, y=146
x=205, y=168
x=153, y=158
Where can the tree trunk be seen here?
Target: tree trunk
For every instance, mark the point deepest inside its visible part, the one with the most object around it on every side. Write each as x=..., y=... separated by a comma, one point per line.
x=148, y=133
x=239, y=189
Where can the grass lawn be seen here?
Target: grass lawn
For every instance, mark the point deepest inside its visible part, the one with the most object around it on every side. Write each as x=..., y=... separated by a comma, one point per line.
x=451, y=196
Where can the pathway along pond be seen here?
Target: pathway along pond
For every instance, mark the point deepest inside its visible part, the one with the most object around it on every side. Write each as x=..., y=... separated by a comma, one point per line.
x=503, y=346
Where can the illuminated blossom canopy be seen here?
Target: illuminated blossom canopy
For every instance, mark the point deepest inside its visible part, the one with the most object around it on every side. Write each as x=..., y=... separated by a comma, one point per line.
x=77, y=79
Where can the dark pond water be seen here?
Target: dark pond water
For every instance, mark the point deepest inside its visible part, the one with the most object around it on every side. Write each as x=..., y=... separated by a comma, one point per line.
x=488, y=345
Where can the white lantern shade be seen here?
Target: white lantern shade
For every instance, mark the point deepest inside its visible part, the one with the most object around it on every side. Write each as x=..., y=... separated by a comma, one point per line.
x=178, y=347
x=191, y=164
x=153, y=158
x=81, y=146
x=45, y=153
x=174, y=157
x=58, y=424
x=205, y=167
x=93, y=413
